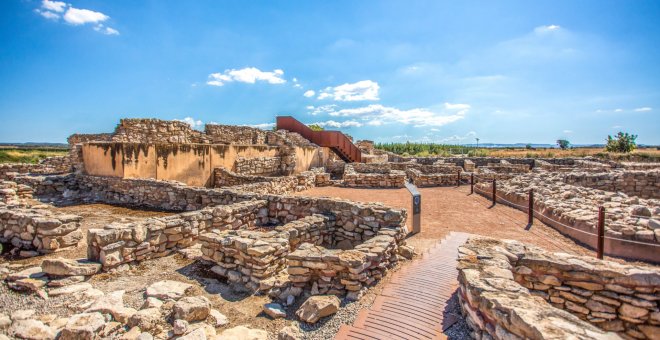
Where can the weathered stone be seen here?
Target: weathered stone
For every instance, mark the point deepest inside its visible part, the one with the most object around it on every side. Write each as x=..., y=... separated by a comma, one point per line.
x=274, y=310
x=218, y=319
x=72, y=289
x=113, y=304
x=83, y=326
x=631, y=311
x=31, y=329
x=168, y=290
x=290, y=333
x=152, y=302
x=145, y=319
x=316, y=307
x=179, y=327
x=243, y=333
x=66, y=267
x=192, y=309
x=22, y=314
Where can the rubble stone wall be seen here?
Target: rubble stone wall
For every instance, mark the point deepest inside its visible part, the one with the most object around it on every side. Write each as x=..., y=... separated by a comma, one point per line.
x=231, y=134
x=38, y=229
x=13, y=194
x=138, y=130
x=641, y=183
x=270, y=185
x=258, y=166
x=120, y=243
x=573, y=211
x=510, y=289
x=60, y=164
x=422, y=179
x=372, y=176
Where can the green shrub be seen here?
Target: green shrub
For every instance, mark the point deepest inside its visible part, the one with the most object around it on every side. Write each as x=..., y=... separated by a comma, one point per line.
x=622, y=142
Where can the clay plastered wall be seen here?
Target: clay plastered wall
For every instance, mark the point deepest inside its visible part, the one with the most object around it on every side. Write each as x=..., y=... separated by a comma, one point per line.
x=310, y=157
x=192, y=164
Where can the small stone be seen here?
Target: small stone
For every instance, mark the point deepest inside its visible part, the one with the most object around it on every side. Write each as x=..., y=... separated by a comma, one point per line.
x=407, y=251
x=145, y=336
x=31, y=329
x=152, y=302
x=145, y=319
x=218, y=318
x=22, y=314
x=168, y=290
x=179, y=327
x=316, y=307
x=5, y=321
x=633, y=312
x=83, y=326
x=132, y=334
x=290, y=333
x=32, y=273
x=274, y=310
x=66, y=267
x=113, y=304
x=243, y=333
x=65, y=281
x=68, y=290
x=192, y=309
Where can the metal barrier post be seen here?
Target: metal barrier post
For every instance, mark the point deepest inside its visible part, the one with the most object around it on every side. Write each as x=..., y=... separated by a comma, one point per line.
x=416, y=207
x=458, y=179
x=601, y=233
x=494, y=191
x=472, y=183
x=531, y=207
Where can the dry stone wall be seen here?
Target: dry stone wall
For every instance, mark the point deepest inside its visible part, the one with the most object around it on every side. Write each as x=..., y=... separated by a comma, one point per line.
x=270, y=185
x=641, y=183
x=120, y=243
x=511, y=290
x=38, y=229
x=258, y=166
x=559, y=205
x=364, y=175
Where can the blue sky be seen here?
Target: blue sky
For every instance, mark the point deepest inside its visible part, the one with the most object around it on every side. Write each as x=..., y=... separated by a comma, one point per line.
x=447, y=72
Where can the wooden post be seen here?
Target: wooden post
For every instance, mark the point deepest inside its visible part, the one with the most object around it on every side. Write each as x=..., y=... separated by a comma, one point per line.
x=458, y=179
x=531, y=207
x=472, y=183
x=494, y=191
x=601, y=233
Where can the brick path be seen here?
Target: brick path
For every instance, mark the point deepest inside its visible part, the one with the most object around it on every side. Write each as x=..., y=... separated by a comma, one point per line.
x=412, y=304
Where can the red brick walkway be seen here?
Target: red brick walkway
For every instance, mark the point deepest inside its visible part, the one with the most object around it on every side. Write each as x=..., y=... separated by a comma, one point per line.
x=412, y=304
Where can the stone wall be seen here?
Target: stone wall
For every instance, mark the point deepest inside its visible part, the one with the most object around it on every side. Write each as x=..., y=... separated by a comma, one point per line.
x=232, y=134
x=13, y=194
x=120, y=243
x=270, y=185
x=75, y=147
x=258, y=166
x=252, y=257
x=510, y=289
x=372, y=176
x=641, y=183
x=51, y=165
x=38, y=229
x=138, y=130
x=60, y=164
x=573, y=211
x=422, y=179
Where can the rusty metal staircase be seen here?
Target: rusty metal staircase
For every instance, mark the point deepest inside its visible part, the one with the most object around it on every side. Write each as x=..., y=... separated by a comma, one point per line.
x=335, y=140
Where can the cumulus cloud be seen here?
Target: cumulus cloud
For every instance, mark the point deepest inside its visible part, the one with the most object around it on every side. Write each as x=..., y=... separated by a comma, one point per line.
x=194, y=123
x=248, y=75
x=54, y=6
x=75, y=16
x=361, y=90
x=643, y=109
x=568, y=131
x=376, y=115
x=546, y=29
x=456, y=138
x=315, y=110
x=309, y=93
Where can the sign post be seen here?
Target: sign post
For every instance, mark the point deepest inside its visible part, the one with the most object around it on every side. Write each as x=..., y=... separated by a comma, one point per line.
x=416, y=207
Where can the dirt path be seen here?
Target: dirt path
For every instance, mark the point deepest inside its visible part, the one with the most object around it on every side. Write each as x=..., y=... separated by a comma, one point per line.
x=446, y=209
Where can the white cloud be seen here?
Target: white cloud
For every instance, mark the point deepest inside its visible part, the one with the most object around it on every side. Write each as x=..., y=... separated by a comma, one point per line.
x=456, y=138
x=450, y=106
x=376, y=114
x=195, y=124
x=568, y=131
x=309, y=93
x=344, y=124
x=618, y=110
x=77, y=16
x=48, y=14
x=106, y=30
x=263, y=126
x=54, y=6
x=315, y=110
x=361, y=90
x=643, y=109
x=248, y=75
x=546, y=29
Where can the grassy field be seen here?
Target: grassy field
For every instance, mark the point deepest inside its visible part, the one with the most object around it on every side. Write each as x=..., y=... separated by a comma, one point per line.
x=29, y=155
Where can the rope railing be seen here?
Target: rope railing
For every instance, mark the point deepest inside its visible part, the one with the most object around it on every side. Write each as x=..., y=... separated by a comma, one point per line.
x=552, y=220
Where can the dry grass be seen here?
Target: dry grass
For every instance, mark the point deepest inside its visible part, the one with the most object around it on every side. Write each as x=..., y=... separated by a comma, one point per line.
x=639, y=154
x=29, y=155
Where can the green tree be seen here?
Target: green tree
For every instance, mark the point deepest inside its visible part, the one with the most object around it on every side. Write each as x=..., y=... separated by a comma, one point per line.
x=316, y=127
x=622, y=142
x=563, y=143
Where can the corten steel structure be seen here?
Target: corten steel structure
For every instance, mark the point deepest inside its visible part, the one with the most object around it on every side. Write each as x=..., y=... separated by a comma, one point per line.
x=335, y=140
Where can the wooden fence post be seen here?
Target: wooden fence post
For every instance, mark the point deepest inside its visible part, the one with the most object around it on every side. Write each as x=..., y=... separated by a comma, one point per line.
x=530, y=212
x=494, y=191
x=458, y=179
x=601, y=233
x=472, y=183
